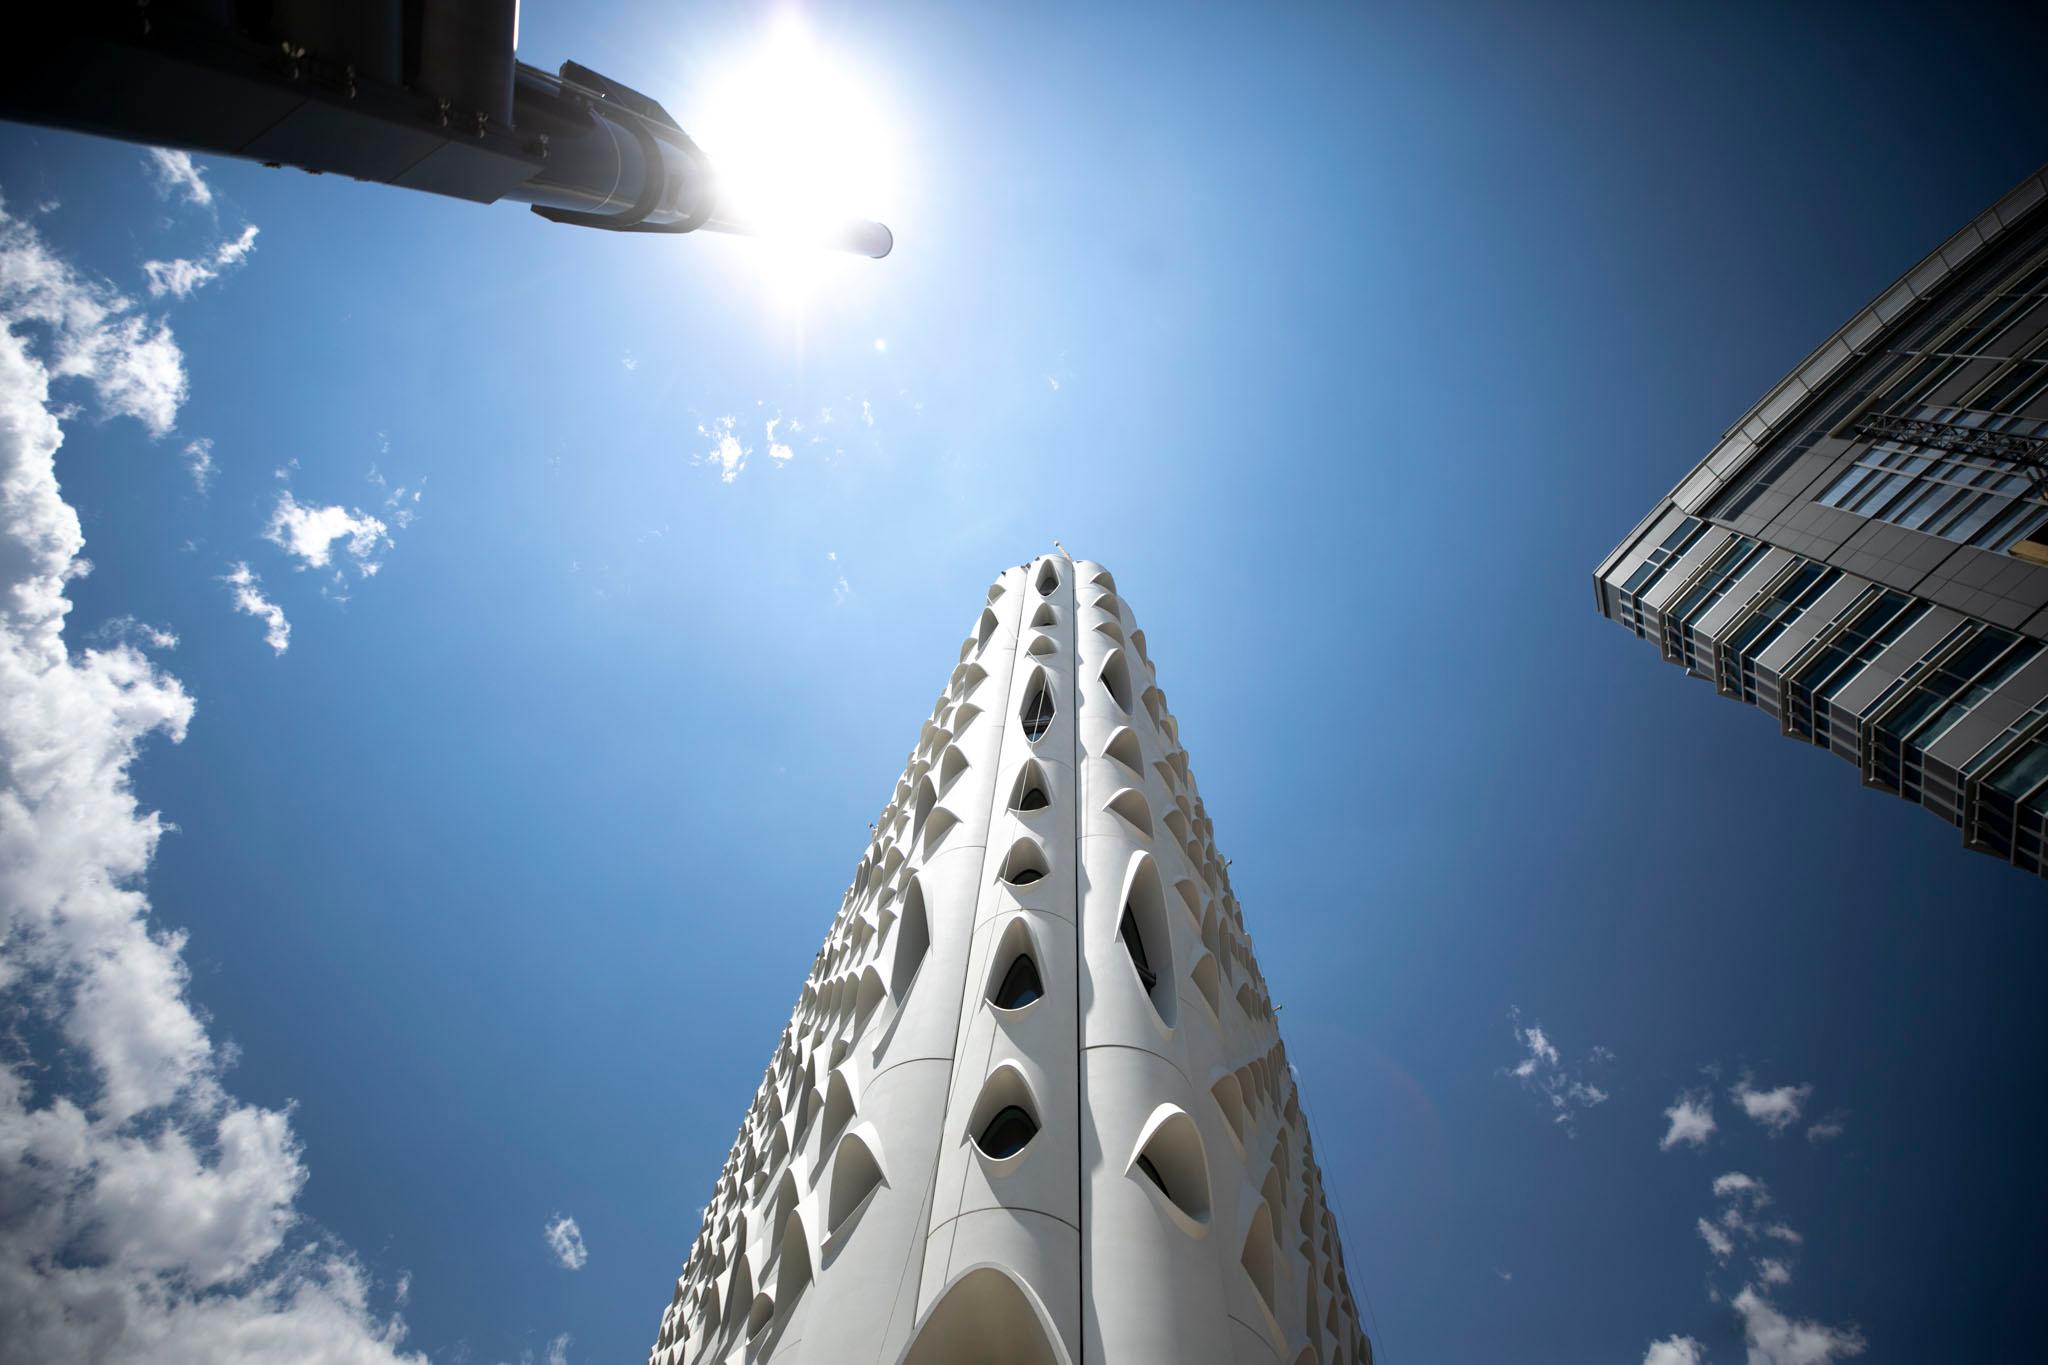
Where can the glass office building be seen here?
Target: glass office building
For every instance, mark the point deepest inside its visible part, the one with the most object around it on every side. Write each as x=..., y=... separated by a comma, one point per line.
x=1864, y=556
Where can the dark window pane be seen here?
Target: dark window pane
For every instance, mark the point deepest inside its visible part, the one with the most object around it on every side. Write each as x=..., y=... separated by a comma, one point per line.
x=1007, y=1133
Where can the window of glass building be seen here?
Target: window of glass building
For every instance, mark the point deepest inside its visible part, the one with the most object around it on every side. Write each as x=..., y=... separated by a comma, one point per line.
x=1779, y=610
x=1882, y=619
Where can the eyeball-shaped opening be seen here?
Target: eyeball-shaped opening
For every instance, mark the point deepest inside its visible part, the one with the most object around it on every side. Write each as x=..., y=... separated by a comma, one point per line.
x=1006, y=1134
x=913, y=932
x=1169, y=1154
x=1147, y=936
x=1257, y=1256
x=1048, y=580
x=1031, y=791
x=1026, y=863
x=1037, y=712
x=951, y=765
x=1014, y=980
x=1005, y=1118
x=855, y=1175
x=1129, y=803
x=1116, y=679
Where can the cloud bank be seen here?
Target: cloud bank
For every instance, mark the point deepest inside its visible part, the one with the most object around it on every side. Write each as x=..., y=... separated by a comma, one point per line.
x=145, y=1214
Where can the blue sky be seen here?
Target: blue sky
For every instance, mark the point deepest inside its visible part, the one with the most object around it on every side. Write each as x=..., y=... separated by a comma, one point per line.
x=1350, y=340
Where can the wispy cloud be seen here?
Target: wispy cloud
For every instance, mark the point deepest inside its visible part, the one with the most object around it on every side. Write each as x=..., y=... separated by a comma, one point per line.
x=1691, y=1118
x=175, y=175
x=153, y=1215
x=779, y=451
x=1829, y=1128
x=249, y=600
x=126, y=630
x=402, y=503
x=199, y=462
x=565, y=1239
x=1564, y=1087
x=181, y=278
x=841, y=589
x=1776, y=1109
x=726, y=454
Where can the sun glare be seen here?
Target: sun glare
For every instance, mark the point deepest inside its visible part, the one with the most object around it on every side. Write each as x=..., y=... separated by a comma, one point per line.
x=801, y=143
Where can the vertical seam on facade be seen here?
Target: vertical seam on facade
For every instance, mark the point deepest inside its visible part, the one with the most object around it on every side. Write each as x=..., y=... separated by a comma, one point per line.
x=923, y=1240
x=1080, y=962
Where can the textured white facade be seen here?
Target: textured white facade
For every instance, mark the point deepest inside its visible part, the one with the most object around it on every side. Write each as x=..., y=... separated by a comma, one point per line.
x=1166, y=1205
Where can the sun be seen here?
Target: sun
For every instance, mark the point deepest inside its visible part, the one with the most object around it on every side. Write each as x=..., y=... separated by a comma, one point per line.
x=800, y=141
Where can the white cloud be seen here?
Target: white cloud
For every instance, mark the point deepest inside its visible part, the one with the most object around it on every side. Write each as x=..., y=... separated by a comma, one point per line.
x=1776, y=1109
x=841, y=589
x=1735, y=1183
x=1783, y=1233
x=727, y=455
x=402, y=503
x=181, y=278
x=1771, y=1270
x=1541, y=1051
x=1675, y=1351
x=629, y=361
x=1692, y=1121
x=778, y=451
x=149, y=1214
x=1743, y=1198
x=1054, y=382
x=250, y=601
x=1774, y=1339
x=199, y=462
x=1543, y=1071
x=311, y=532
x=132, y=362
x=565, y=1239
x=1828, y=1129
x=867, y=414
x=1718, y=1242
x=558, y=1350
x=176, y=175
x=127, y=630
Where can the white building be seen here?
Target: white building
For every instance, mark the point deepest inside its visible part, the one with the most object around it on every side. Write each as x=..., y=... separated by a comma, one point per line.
x=1032, y=1107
